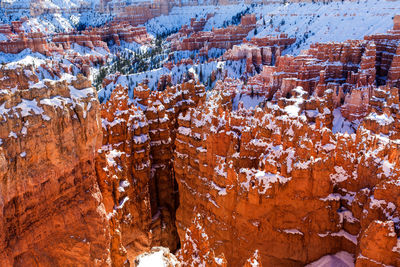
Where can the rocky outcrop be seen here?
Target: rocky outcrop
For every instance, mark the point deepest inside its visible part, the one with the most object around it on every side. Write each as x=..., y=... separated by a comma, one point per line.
x=394, y=71
x=123, y=169
x=224, y=38
x=51, y=205
x=91, y=38
x=278, y=175
x=259, y=51
x=295, y=163
x=351, y=69
x=196, y=249
x=137, y=157
x=311, y=171
x=386, y=46
x=140, y=12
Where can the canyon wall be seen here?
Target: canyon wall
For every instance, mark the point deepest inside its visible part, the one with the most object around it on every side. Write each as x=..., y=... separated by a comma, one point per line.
x=278, y=180
x=135, y=167
x=18, y=40
x=224, y=38
x=311, y=171
x=51, y=207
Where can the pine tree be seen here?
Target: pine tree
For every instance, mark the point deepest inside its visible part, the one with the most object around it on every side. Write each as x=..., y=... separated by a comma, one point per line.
x=201, y=74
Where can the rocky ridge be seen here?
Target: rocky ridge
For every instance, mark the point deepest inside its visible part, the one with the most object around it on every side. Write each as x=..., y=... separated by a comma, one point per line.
x=137, y=151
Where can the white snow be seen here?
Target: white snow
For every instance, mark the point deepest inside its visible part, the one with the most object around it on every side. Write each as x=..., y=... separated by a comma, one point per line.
x=387, y=168
x=324, y=22
x=29, y=107
x=141, y=139
x=152, y=260
x=339, y=176
x=112, y=155
x=247, y=100
x=342, y=233
x=13, y=135
x=382, y=119
x=157, y=257
x=342, y=125
x=292, y=231
x=340, y=259
x=265, y=180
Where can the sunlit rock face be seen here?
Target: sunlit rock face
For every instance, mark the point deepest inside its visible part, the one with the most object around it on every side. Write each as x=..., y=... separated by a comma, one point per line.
x=311, y=171
x=51, y=206
x=278, y=175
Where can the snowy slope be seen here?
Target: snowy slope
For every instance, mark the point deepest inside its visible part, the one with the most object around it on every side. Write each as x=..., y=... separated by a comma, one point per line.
x=180, y=16
x=177, y=73
x=336, y=21
x=308, y=22
x=58, y=15
x=157, y=257
x=340, y=259
x=60, y=4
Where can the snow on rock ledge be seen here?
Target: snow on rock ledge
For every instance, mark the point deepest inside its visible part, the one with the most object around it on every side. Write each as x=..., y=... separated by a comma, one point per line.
x=157, y=257
x=50, y=134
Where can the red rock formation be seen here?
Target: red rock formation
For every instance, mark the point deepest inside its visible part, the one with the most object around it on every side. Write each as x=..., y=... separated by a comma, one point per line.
x=137, y=157
x=124, y=31
x=259, y=51
x=246, y=171
x=163, y=82
x=386, y=46
x=51, y=207
x=34, y=41
x=196, y=249
x=94, y=37
x=6, y=29
x=311, y=171
x=140, y=13
x=123, y=168
x=195, y=26
x=224, y=38
x=396, y=22
x=283, y=174
x=185, y=61
x=394, y=71
x=346, y=68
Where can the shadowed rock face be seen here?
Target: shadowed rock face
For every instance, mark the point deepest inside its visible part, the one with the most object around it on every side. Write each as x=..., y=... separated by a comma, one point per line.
x=135, y=165
x=51, y=206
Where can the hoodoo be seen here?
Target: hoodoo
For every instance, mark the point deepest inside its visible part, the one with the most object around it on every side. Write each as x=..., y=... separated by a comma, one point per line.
x=199, y=133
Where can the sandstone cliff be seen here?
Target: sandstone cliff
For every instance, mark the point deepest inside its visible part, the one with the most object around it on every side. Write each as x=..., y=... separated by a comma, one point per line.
x=135, y=166
x=51, y=206
x=278, y=175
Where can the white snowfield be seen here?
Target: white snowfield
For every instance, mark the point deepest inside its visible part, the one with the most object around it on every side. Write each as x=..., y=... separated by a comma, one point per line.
x=340, y=259
x=157, y=257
